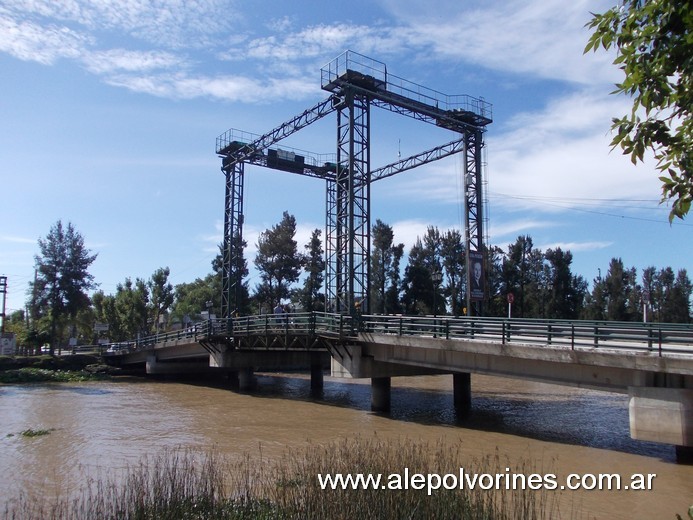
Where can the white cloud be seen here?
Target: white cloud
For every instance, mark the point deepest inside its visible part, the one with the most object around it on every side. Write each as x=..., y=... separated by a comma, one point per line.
x=17, y=240
x=575, y=247
x=31, y=42
x=121, y=60
x=552, y=159
x=537, y=37
x=174, y=23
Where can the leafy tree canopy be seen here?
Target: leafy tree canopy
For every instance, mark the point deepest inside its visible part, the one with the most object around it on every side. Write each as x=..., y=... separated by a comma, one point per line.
x=654, y=44
x=62, y=278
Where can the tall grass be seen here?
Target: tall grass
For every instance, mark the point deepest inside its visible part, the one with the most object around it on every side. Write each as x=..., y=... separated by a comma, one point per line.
x=180, y=484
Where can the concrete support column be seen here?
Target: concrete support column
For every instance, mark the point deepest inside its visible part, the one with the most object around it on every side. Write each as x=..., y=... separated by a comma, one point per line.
x=462, y=393
x=380, y=394
x=663, y=415
x=246, y=379
x=684, y=454
x=316, y=375
x=232, y=377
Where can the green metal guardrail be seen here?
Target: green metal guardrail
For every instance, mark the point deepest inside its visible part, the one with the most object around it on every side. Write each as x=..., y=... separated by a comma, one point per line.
x=659, y=337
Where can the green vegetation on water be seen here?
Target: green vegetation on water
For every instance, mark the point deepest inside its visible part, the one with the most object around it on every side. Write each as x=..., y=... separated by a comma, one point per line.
x=30, y=432
x=37, y=375
x=66, y=369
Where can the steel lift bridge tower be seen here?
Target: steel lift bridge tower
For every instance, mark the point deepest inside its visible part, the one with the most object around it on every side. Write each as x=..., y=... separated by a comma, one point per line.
x=355, y=83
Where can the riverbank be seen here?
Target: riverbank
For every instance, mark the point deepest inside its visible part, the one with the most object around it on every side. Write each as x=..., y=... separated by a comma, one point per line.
x=65, y=369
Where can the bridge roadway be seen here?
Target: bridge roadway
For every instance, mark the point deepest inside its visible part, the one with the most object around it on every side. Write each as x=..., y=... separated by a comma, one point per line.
x=651, y=362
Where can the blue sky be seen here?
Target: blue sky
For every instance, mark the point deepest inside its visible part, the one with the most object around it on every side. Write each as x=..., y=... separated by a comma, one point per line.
x=109, y=111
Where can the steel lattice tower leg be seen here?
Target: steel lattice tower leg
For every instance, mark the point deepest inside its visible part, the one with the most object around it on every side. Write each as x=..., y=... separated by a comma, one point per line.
x=233, y=240
x=348, y=210
x=474, y=233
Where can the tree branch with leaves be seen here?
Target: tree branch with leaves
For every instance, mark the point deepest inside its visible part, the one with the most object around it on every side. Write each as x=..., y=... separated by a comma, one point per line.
x=654, y=45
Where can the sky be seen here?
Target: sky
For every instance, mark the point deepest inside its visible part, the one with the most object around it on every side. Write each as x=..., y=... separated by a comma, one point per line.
x=110, y=110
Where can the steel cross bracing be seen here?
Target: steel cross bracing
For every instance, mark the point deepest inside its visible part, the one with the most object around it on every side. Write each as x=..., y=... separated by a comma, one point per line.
x=232, y=266
x=474, y=232
x=348, y=209
x=356, y=84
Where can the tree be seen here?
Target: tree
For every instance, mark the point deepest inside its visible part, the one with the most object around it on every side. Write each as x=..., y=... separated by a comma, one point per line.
x=310, y=296
x=131, y=303
x=278, y=261
x=495, y=284
x=668, y=295
x=393, y=302
x=453, y=253
x=161, y=294
x=654, y=44
x=566, y=291
x=523, y=275
x=191, y=298
x=385, y=258
x=62, y=279
x=424, y=259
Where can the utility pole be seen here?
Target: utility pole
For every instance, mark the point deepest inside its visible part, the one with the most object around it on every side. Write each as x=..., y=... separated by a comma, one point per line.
x=3, y=295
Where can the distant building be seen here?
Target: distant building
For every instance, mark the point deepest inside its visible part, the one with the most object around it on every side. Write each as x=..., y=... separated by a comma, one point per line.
x=8, y=344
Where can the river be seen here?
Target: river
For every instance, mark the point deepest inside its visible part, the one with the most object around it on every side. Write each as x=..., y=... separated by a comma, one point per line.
x=97, y=428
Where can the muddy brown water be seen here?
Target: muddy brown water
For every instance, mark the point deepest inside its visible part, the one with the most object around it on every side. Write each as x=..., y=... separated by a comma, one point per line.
x=102, y=427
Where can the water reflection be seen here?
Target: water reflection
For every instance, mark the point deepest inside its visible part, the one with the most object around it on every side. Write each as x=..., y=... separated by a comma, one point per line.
x=533, y=410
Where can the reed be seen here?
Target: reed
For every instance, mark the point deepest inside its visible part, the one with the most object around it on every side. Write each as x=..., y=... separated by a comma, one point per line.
x=181, y=484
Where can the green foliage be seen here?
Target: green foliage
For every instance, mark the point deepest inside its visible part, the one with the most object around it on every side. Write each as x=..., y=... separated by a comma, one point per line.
x=654, y=44
x=310, y=296
x=161, y=294
x=30, y=432
x=41, y=375
x=278, y=261
x=62, y=279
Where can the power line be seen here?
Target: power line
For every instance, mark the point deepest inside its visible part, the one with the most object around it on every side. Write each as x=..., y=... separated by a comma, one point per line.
x=571, y=203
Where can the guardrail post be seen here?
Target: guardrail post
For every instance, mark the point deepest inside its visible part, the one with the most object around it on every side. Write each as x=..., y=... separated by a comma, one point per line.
x=649, y=338
x=572, y=336
x=660, y=341
x=548, y=337
x=447, y=329
x=401, y=325
x=503, y=334
x=596, y=336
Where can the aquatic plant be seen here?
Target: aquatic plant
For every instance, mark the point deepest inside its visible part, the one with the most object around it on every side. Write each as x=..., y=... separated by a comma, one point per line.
x=30, y=432
x=181, y=484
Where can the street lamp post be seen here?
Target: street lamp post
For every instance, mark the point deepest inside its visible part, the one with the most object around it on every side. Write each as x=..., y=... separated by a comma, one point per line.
x=209, y=304
x=437, y=277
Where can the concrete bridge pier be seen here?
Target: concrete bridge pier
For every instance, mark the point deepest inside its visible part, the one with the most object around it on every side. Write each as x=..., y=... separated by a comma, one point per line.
x=380, y=394
x=246, y=379
x=316, y=375
x=665, y=415
x=462, y=393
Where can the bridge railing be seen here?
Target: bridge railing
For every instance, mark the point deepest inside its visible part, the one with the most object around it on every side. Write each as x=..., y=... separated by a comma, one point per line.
x=659, y=337
x=651, y=337
x=306, y=323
